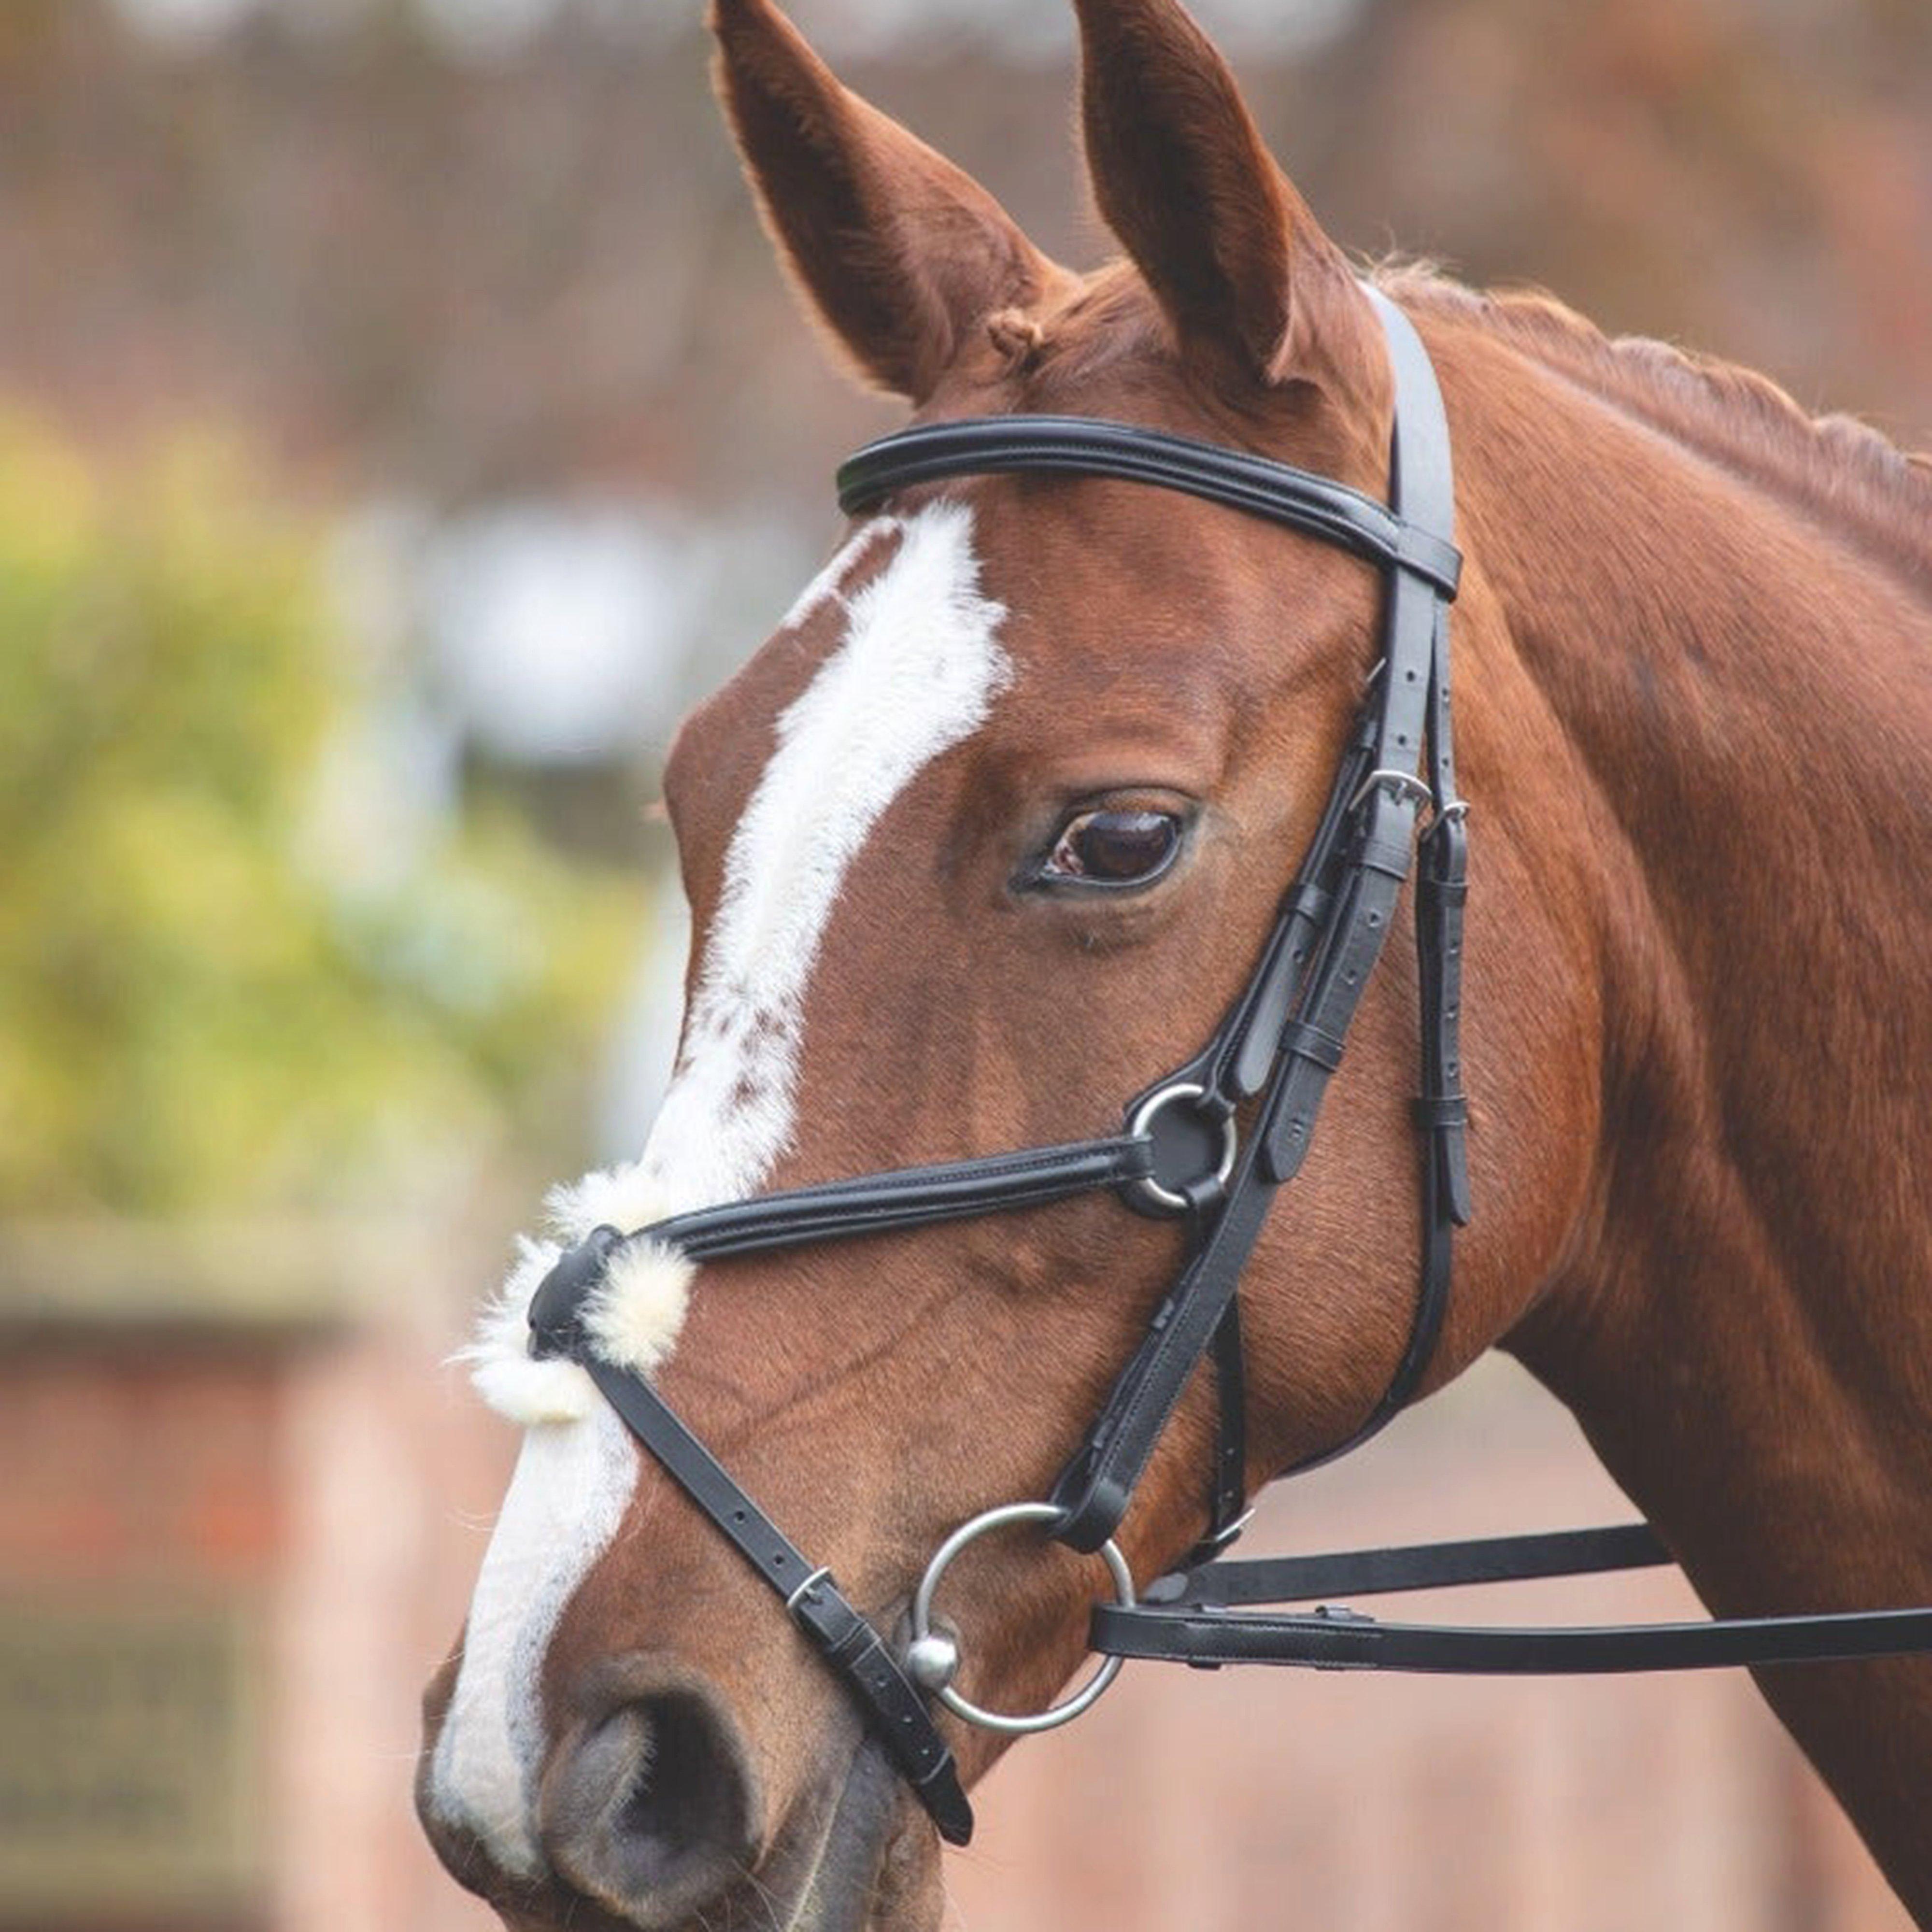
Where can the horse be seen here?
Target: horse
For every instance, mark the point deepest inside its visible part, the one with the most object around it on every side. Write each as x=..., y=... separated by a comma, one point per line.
x=999, y=823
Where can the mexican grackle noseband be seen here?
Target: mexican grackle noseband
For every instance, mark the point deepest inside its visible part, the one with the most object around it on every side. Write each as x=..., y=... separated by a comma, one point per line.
x=1210, y=1143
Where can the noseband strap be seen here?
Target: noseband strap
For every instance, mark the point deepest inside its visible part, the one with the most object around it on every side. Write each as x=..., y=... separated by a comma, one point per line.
x=907, y=1197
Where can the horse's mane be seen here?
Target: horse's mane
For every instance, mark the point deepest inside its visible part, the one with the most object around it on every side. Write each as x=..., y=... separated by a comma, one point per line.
x=1843, y=473
x=1837, y=468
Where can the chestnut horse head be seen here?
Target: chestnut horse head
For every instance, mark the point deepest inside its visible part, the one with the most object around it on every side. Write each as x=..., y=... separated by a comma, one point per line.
x=994, y=830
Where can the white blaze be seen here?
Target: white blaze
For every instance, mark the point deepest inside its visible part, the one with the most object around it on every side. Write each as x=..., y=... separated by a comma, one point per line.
x=915, y=672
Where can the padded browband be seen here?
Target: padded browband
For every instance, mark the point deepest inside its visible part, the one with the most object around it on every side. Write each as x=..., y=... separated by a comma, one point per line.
x=1078, y=446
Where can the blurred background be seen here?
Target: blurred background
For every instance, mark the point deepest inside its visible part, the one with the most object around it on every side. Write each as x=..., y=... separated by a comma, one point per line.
x=401, y=420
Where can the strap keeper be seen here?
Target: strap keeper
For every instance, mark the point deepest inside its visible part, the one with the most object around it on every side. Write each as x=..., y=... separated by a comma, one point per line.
x=1306, y=1041
x=1437, y=562
x=1437, y=1112
x=819, y=1610
x=1388, y=856
x=1310, y=902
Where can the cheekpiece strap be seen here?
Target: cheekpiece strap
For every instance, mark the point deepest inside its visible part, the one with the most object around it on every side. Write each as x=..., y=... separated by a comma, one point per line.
x=1286, y=1038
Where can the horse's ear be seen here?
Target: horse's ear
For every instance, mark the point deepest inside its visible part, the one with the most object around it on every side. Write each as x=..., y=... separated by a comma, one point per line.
x=899, y=252
x=1219, y=232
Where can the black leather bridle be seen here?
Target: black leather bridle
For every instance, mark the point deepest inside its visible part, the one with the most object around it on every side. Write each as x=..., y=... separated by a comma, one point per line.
x=1210, y=1143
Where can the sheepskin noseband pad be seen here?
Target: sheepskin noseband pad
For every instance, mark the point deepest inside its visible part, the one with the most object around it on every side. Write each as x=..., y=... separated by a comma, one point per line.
x=556, y=1309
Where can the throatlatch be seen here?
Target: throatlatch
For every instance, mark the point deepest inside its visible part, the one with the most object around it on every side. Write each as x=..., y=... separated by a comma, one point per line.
x=1211, y=1143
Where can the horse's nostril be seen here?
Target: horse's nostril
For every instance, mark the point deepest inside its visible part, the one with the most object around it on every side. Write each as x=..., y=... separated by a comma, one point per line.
x=648, y=1810
x=687, y=1798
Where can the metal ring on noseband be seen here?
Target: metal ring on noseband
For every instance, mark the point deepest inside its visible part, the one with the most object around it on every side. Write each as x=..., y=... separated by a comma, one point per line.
x=933, y=1658
x=1147, y=1187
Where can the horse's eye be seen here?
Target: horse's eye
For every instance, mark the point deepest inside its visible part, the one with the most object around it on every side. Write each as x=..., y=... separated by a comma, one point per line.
x=1114, y=848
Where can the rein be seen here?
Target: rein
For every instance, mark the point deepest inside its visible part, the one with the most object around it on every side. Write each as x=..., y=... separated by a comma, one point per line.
x=1210, y=1143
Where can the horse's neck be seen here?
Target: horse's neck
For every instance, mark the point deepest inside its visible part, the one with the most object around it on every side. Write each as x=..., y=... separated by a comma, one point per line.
x=1744, y=1326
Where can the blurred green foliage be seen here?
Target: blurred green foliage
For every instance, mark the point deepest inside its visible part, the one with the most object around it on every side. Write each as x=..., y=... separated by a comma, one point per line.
x=209, y=1002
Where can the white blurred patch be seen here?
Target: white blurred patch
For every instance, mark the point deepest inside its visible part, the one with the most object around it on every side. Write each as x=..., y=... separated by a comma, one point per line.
x=558, y=632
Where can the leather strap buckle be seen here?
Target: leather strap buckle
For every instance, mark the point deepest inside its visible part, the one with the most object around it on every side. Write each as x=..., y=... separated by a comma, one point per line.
x=1211, y=1546
x=1404, y=784
x=823, y=1574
